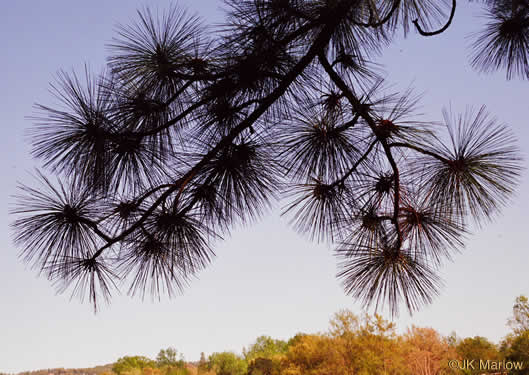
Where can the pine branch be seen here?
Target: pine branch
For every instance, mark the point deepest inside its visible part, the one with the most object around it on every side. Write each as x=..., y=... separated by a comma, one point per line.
x=315, y=48
x=357, y=105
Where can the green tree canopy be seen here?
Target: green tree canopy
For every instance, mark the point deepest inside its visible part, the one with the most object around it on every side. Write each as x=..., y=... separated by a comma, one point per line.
x=169, y=357
x=265, y=347
x=128, y=363
x=227, y=363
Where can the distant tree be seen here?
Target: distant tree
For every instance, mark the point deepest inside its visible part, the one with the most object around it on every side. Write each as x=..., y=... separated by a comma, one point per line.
x=315, y=355
x=195, y=130
x=477, y=348
x=520, y=319
x=515, y=348
x=369, y=343
x=227, y=363
x=427, y=353
x=344, y=323
x=130, y=363
x=265, y=347
x=169, y=357
x=353, y=345
x=202, y=364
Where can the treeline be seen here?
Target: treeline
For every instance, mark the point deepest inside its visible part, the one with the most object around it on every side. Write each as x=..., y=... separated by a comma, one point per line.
x=369, y=345
x=355, y=345
x=77, y=371
x=352, y=345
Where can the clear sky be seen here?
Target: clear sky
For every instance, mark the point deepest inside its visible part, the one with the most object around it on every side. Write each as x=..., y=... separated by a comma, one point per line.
x=266, y=279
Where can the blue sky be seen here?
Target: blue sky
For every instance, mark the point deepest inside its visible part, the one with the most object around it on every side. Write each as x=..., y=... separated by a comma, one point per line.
x=266, y=279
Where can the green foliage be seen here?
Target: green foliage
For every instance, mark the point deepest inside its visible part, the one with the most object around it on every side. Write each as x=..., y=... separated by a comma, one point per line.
x=520, y=319
x=167, y=363
x=169, y=357
x=128, y=364
x=227, y=363
x=175, y=370
x=346, y=325
x=265, y=347
x=353, y=345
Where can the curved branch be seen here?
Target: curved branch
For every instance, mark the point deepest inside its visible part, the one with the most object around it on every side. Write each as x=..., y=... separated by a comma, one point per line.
x=431, y=33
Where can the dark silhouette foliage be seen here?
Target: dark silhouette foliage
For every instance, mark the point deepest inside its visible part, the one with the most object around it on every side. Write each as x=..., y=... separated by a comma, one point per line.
x=190, y=132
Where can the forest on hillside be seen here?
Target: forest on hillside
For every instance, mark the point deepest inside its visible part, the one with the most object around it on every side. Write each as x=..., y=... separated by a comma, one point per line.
x=352, y=345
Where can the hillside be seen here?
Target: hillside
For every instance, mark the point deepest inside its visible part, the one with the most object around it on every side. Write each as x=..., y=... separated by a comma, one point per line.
x=70, y=371
x=97, y=370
